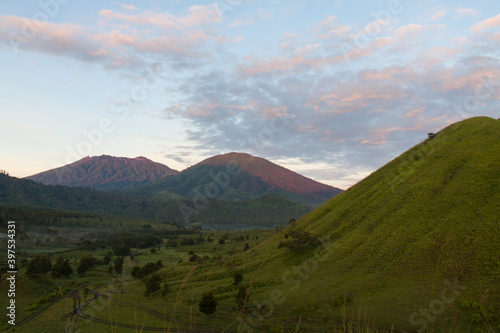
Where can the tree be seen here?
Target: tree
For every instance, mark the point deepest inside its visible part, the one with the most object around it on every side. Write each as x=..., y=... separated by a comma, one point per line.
x=171, y=243
x=247, y=247
x=86, y=263
x=110, y=269
x=241, y=297
x=165, y=289
x=107, y=258
x=61, y=268
x=238, y=277
x=222, y=241
x=300, y=241
x=39, y=265
x=152, y=284
x=208, y=303
x=119, y=265
x=121, y=250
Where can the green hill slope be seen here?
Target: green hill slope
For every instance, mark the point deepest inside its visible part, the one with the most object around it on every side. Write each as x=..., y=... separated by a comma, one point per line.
x=416, y=244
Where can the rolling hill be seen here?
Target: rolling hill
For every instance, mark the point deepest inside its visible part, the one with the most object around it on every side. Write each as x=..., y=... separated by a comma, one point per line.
x=239, y=176
x=105, y=173
x=414, y=246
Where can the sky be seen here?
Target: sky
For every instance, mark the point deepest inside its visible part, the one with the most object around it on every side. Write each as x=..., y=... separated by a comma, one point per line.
x=330, y=89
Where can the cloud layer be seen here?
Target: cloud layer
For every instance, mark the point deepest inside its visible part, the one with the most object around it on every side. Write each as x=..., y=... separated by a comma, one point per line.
x=343, y=96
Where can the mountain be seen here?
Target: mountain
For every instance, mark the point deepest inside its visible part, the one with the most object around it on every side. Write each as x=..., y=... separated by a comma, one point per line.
x=267, y=211
x=105, y=173
x=414, y=245
x=239, y=176
x=16, y=192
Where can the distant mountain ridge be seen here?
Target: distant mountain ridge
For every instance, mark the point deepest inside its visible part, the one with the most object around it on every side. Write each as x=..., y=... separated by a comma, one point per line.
x=242, y=177
x=105, y=173
x=267, y=211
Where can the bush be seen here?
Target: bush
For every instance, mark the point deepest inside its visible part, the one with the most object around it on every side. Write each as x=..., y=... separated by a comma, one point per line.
x=107, y=258
x=39, y=265
x=152, y=284
x=238, y=277
x=165, y=289
x=148, y=269
x=121, y=250
x=222, y=241
x=171, y=243
x=61, y=268
x=187, y=241
x=208, y=303
x=241, y=297
x=86, y=263
x=119, y=265
x=300, y=241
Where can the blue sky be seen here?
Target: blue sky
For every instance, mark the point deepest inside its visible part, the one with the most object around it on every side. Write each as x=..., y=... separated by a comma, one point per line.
x=330, y=89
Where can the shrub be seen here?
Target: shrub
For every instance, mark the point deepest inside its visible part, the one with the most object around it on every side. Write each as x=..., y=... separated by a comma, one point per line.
x=238, y=277
x=171, y=243
x=152, y=284
x=119, y=265
x=148, y=269
x=165, y=289
x=40, y=264
x=86, y=263
x=61, y=268
x=121, y=249
x=208, y=303
x=107, y=258
x=300, y=241
x=241, y=297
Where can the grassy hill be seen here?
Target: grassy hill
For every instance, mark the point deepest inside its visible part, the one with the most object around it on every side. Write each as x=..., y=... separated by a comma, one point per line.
x=414, y=247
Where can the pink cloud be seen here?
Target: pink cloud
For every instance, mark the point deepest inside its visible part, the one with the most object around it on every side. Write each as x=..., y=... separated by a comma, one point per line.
x=466, y=12
x=200, y=15
x=436, y=14
x=163, y=20
x=408, y=31
x=491, y=22
x=129, y=7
